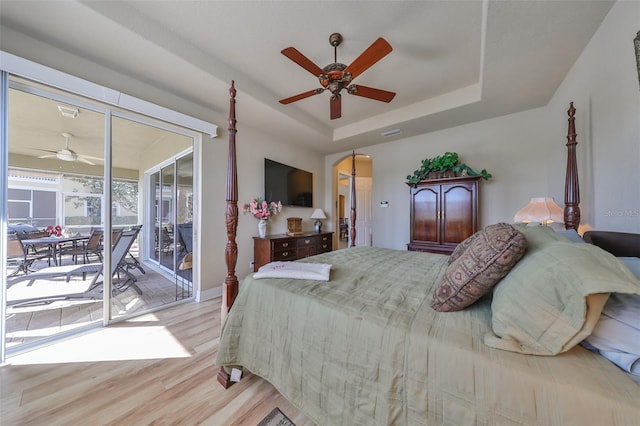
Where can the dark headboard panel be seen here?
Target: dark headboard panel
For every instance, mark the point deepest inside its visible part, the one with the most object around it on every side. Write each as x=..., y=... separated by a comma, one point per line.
x=620, y=244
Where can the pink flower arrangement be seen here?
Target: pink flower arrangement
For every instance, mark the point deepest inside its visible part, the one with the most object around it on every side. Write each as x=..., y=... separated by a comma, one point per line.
x=261, y=209
x=54, y=230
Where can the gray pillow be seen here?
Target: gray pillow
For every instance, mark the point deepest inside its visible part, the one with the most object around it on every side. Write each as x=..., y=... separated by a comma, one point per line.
x=572, y=235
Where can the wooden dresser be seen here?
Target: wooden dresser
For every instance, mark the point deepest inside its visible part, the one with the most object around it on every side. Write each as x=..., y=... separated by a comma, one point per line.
x=289, y=247
x=443, y=213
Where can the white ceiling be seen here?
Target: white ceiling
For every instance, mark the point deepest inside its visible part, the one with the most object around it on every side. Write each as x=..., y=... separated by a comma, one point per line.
x=453, y=62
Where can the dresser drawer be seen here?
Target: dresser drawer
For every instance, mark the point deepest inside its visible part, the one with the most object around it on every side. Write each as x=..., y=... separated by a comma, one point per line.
x=286, y=254
x=279, y=245
x=324, y=247
x=324, y=241
x=307, y=241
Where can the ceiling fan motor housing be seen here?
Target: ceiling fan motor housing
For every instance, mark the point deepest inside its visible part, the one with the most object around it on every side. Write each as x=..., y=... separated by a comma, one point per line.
x=335, y=79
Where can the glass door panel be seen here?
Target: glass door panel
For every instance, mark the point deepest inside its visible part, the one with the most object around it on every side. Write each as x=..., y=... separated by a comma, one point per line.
x=184, y=226
x=51, y=152
x=146, y=278
x=154, y=192
x=165, y=232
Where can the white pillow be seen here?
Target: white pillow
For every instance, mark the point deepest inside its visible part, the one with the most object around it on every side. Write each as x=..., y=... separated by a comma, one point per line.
x=633, y=263
x=617, y=334
x=296, y=270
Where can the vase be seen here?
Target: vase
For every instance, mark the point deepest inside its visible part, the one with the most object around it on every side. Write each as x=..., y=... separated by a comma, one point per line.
x=262, y=228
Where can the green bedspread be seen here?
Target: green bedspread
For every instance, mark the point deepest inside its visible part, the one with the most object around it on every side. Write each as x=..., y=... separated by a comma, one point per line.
x=336, y=348
x=366, y=348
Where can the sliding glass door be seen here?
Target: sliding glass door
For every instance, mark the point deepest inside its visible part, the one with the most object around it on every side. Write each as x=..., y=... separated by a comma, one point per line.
x=171, y=211
x=79, y=166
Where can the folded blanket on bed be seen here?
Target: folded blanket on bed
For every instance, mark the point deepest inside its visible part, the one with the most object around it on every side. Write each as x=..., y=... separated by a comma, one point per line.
x=297, y=270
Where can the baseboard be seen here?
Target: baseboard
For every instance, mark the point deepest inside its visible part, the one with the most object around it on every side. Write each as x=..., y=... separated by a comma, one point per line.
x=212, y=293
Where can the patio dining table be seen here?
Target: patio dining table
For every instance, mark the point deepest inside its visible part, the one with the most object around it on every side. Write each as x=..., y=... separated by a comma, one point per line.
x=55, y=243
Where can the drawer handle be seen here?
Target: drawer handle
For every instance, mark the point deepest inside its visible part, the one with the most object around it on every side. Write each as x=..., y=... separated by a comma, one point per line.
x=324, y=246
x=285, y=253
x=307, y=241
x=324, y=238
x=285, y=245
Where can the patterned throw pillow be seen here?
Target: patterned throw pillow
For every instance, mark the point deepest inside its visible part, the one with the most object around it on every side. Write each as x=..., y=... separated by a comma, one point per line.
x=462, y=247
x=489, y=257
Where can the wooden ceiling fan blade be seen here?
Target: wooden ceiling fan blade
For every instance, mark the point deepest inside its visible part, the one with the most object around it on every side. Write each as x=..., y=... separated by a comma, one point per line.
x=371, y=93
x=378, y=50
x=301, y=96
x=335, y=106
x=297, y=57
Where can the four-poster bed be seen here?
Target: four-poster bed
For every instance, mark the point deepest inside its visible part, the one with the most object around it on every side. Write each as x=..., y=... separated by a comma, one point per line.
x=365, y=347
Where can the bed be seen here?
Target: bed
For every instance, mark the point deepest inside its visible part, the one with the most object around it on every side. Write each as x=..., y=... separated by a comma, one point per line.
x=367, y=347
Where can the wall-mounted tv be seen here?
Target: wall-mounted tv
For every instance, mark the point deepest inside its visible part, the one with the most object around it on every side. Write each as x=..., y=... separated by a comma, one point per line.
x=290, y=185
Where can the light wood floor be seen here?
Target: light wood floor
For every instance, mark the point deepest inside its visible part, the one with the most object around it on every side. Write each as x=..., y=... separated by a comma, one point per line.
x=158, y=368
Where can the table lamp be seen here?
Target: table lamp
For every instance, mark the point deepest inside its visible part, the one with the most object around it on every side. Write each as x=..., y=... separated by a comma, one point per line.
x=542, y=210
x=318, y=214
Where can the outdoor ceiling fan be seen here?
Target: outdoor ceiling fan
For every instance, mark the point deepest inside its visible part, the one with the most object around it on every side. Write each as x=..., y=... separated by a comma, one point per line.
x=67, y=154
x=337, y=76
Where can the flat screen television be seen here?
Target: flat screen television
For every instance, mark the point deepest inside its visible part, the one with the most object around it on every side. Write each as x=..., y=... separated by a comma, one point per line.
x=290, y=185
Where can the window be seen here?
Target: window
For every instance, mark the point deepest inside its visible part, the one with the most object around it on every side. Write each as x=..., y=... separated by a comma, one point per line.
x=31, y=207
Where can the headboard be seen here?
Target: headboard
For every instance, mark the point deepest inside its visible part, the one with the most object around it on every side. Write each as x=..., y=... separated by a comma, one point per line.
x=620, y=244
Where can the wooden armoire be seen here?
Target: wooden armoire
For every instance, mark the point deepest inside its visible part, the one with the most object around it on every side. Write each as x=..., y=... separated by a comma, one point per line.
x=443, y=213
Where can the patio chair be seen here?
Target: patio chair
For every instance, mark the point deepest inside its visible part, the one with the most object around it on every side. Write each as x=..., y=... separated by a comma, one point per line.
x=17, y=254
x=164, y=238
x=62, y=274
x=185, y=237
x=93, y=246
x=130, y=262
x=36, y=249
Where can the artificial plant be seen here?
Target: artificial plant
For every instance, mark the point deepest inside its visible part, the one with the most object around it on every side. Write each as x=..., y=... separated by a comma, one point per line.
x=446, y=165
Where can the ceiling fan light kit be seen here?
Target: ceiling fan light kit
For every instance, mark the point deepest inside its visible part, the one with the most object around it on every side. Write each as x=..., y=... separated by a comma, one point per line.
x=337, y=76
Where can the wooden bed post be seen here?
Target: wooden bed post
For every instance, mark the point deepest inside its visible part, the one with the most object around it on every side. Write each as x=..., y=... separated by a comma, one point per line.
x=571, y=185
x=230, y=286
x=352, y=224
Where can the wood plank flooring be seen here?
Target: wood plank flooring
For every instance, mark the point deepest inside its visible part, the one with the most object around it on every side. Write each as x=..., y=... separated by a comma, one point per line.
x=158, y=368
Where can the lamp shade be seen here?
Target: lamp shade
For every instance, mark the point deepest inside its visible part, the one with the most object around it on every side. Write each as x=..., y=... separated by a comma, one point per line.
x=318, y=214
x=540, y=209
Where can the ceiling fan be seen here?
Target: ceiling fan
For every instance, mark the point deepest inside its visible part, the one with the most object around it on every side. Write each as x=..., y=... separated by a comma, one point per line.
x=336, y=76
x=67, y=154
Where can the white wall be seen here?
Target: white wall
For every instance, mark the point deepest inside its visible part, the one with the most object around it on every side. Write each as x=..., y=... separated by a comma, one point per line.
x=526, y=152
x=604, y=86
x=252, y=146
